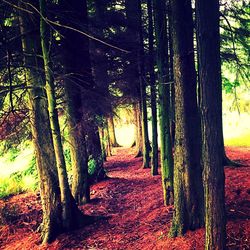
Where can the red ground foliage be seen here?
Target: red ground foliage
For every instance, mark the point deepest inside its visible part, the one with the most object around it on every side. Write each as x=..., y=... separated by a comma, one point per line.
x=130, y=207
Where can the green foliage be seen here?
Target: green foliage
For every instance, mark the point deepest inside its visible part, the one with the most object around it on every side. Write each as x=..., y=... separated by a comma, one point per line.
x=92, y=164
x=67, y=157
x=21, y=181
x=235, y=44
x=10, y=186
x=229, y=86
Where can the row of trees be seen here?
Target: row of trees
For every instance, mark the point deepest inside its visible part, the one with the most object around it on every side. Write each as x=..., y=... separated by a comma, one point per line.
x=81, y=59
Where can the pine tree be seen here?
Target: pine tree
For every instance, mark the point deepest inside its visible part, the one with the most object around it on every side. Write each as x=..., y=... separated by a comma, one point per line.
x=208, y=38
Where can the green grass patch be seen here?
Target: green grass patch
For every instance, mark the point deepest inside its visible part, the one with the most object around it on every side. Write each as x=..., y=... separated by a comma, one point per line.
x=241, y=141
x=20, y=181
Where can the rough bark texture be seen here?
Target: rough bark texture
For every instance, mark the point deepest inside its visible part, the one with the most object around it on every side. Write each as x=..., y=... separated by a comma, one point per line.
x=67, y=211
x=208, y=38
x=164, y=102
x=154, y=159
x=41, y=132
x=188, y=188
x=78, y=78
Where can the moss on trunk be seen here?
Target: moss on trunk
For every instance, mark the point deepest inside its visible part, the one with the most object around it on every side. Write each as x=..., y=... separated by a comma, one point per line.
x=41, y=133
x=164, y=100
x=188, y=188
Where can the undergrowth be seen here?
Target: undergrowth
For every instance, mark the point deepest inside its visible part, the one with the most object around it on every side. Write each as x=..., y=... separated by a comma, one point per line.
x=21, y=181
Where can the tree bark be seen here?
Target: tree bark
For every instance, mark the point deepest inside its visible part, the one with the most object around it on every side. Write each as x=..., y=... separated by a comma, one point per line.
x=107, y=139
x=41, y=133
x=188, y=188
x=141, y=71
x=111, y=125
x=154, y=160
x=164, y=100
x=77, y=68
x=134, y=15
x=67, y=206
x=208, y=39
x=94, y=149
x=102, y=138
x=138, y=132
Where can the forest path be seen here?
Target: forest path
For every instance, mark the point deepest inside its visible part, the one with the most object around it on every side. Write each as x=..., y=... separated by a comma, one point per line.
x=132, y=216
x=131, y=202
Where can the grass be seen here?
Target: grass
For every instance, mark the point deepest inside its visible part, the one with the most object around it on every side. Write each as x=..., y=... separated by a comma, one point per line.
x=236, y=129
x=18, y=172
x=16, y=185
x=241, y=141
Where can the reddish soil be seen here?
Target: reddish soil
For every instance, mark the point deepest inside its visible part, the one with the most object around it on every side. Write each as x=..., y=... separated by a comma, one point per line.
x=130, y=207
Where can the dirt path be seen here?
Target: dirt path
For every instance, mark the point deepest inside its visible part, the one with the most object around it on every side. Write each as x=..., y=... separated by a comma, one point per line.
x=131, y=213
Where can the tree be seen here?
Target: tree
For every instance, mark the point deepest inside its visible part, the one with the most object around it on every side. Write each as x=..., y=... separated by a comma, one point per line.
x=67, y=203
x=134, y=15
x=164, y=102
x=154, y=160
x=78, y=78
x=112, y=131
x=41, y=132
x=188, y=188
x=208, y=38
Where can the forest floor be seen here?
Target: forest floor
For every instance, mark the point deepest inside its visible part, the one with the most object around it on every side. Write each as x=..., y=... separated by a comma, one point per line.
x=130, y=207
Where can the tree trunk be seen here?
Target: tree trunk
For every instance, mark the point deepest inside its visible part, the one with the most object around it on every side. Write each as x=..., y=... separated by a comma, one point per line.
x=102, y=138
x=111, y=126
x=107, y=139
x=94, y=149
x=134, y=15
x=41, y=132
x=154, y=160
x=188, y=188
x=208, y=39
x=77, y=68
x=138, y=135
x=141, y=70
x=164, y=100
x=171, y=80
x=67, y=207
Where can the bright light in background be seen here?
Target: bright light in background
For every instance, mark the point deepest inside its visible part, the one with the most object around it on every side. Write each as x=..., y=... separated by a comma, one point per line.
x=125, y=135
x=20, y=163
x=236, y=129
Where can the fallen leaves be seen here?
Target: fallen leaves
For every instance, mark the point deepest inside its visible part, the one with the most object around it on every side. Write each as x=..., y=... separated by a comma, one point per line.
x=130, y=212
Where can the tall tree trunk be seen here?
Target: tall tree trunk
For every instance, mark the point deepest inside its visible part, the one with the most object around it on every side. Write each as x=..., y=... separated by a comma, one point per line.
x=171, y=79
x=208, y=39
x=188, y=188
x=41, y=132
x=138, y=131
x=141, y=71
x=67, y=207
x=154, y=160
x=77, y=68
x=112, y=131
x=107, y=139
x=94, y=149
x=134, y=15
x=102, y=138
x=164, y=100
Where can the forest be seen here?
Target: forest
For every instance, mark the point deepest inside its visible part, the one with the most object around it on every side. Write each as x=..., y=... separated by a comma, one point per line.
x=124, y=124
